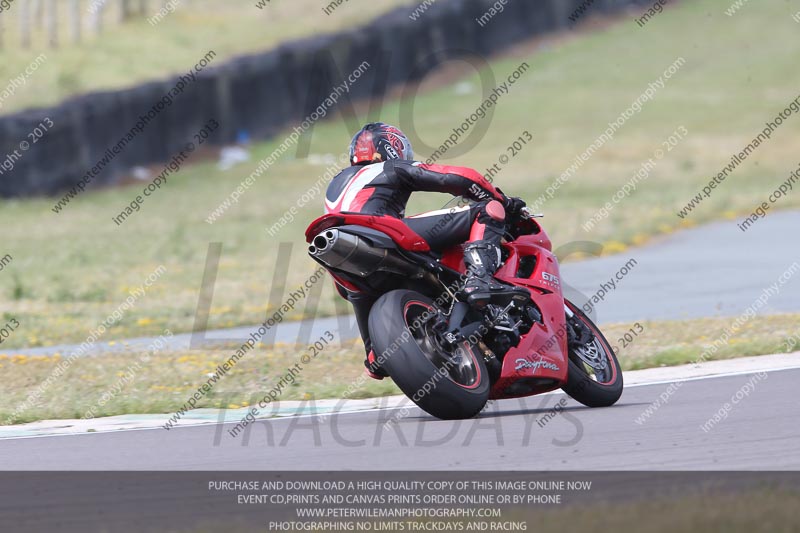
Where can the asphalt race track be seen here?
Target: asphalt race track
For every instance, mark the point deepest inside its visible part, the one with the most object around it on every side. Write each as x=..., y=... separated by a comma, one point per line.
x=681, y=276
x=714, y=270
x=756, y=435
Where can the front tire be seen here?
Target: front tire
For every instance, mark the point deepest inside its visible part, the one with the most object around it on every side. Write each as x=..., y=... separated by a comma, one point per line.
x=448, y=384
x=594, y=377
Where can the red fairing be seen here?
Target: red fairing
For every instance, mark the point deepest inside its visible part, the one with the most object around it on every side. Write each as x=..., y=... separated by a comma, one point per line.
x=542, y=352
x=454, y=258
x=393, y=227
x=540, y=239
x=539, y=362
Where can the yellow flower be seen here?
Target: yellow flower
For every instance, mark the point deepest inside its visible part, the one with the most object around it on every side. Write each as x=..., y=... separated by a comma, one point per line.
x=612, y=247
x=144, y=322
x=233, y=406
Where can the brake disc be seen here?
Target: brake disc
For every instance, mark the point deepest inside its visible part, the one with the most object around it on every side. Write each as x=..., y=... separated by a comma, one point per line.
x=592, y=354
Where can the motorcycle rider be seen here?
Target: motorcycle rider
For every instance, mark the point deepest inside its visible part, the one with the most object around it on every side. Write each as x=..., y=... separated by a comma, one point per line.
x=380, y=180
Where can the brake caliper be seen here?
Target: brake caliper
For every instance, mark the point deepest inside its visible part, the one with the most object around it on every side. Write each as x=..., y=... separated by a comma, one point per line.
x=578, y=333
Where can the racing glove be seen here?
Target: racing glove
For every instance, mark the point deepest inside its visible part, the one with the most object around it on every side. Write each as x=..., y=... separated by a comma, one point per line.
x=513, y=206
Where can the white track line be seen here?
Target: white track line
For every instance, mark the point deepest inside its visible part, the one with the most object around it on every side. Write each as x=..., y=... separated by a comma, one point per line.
x=639, y=378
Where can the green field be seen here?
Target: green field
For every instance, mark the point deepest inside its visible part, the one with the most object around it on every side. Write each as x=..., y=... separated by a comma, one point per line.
x=126, y=54
x=72, y=269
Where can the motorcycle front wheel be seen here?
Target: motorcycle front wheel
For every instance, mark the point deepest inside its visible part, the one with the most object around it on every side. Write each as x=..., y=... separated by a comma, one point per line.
x=594, y=377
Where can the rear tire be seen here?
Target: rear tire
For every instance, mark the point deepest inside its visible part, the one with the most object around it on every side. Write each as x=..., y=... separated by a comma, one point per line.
x=447, y=385
x=583, y=386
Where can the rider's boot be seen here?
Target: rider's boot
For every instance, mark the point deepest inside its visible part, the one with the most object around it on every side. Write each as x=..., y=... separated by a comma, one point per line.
x=372, y=368
x=482, y=259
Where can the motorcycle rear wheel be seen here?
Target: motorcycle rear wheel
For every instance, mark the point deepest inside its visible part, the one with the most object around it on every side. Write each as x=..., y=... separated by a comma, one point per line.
x=448, y=384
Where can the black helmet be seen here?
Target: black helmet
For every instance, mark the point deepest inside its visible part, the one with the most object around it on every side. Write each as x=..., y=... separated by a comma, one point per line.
x=378, y=142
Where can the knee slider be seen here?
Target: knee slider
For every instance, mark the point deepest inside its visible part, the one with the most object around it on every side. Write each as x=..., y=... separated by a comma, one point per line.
x=496, y=211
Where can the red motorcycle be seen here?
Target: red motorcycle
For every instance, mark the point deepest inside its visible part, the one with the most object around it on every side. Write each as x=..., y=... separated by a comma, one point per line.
x=448, y=357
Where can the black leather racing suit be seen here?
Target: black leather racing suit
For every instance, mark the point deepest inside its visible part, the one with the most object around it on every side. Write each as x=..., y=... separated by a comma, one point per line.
x=384, y=189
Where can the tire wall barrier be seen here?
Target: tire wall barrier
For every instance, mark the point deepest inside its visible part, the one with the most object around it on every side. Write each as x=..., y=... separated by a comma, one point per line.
x=265, y=93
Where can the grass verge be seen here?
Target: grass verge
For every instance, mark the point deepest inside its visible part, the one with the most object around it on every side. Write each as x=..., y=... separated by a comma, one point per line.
x=119, y=384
